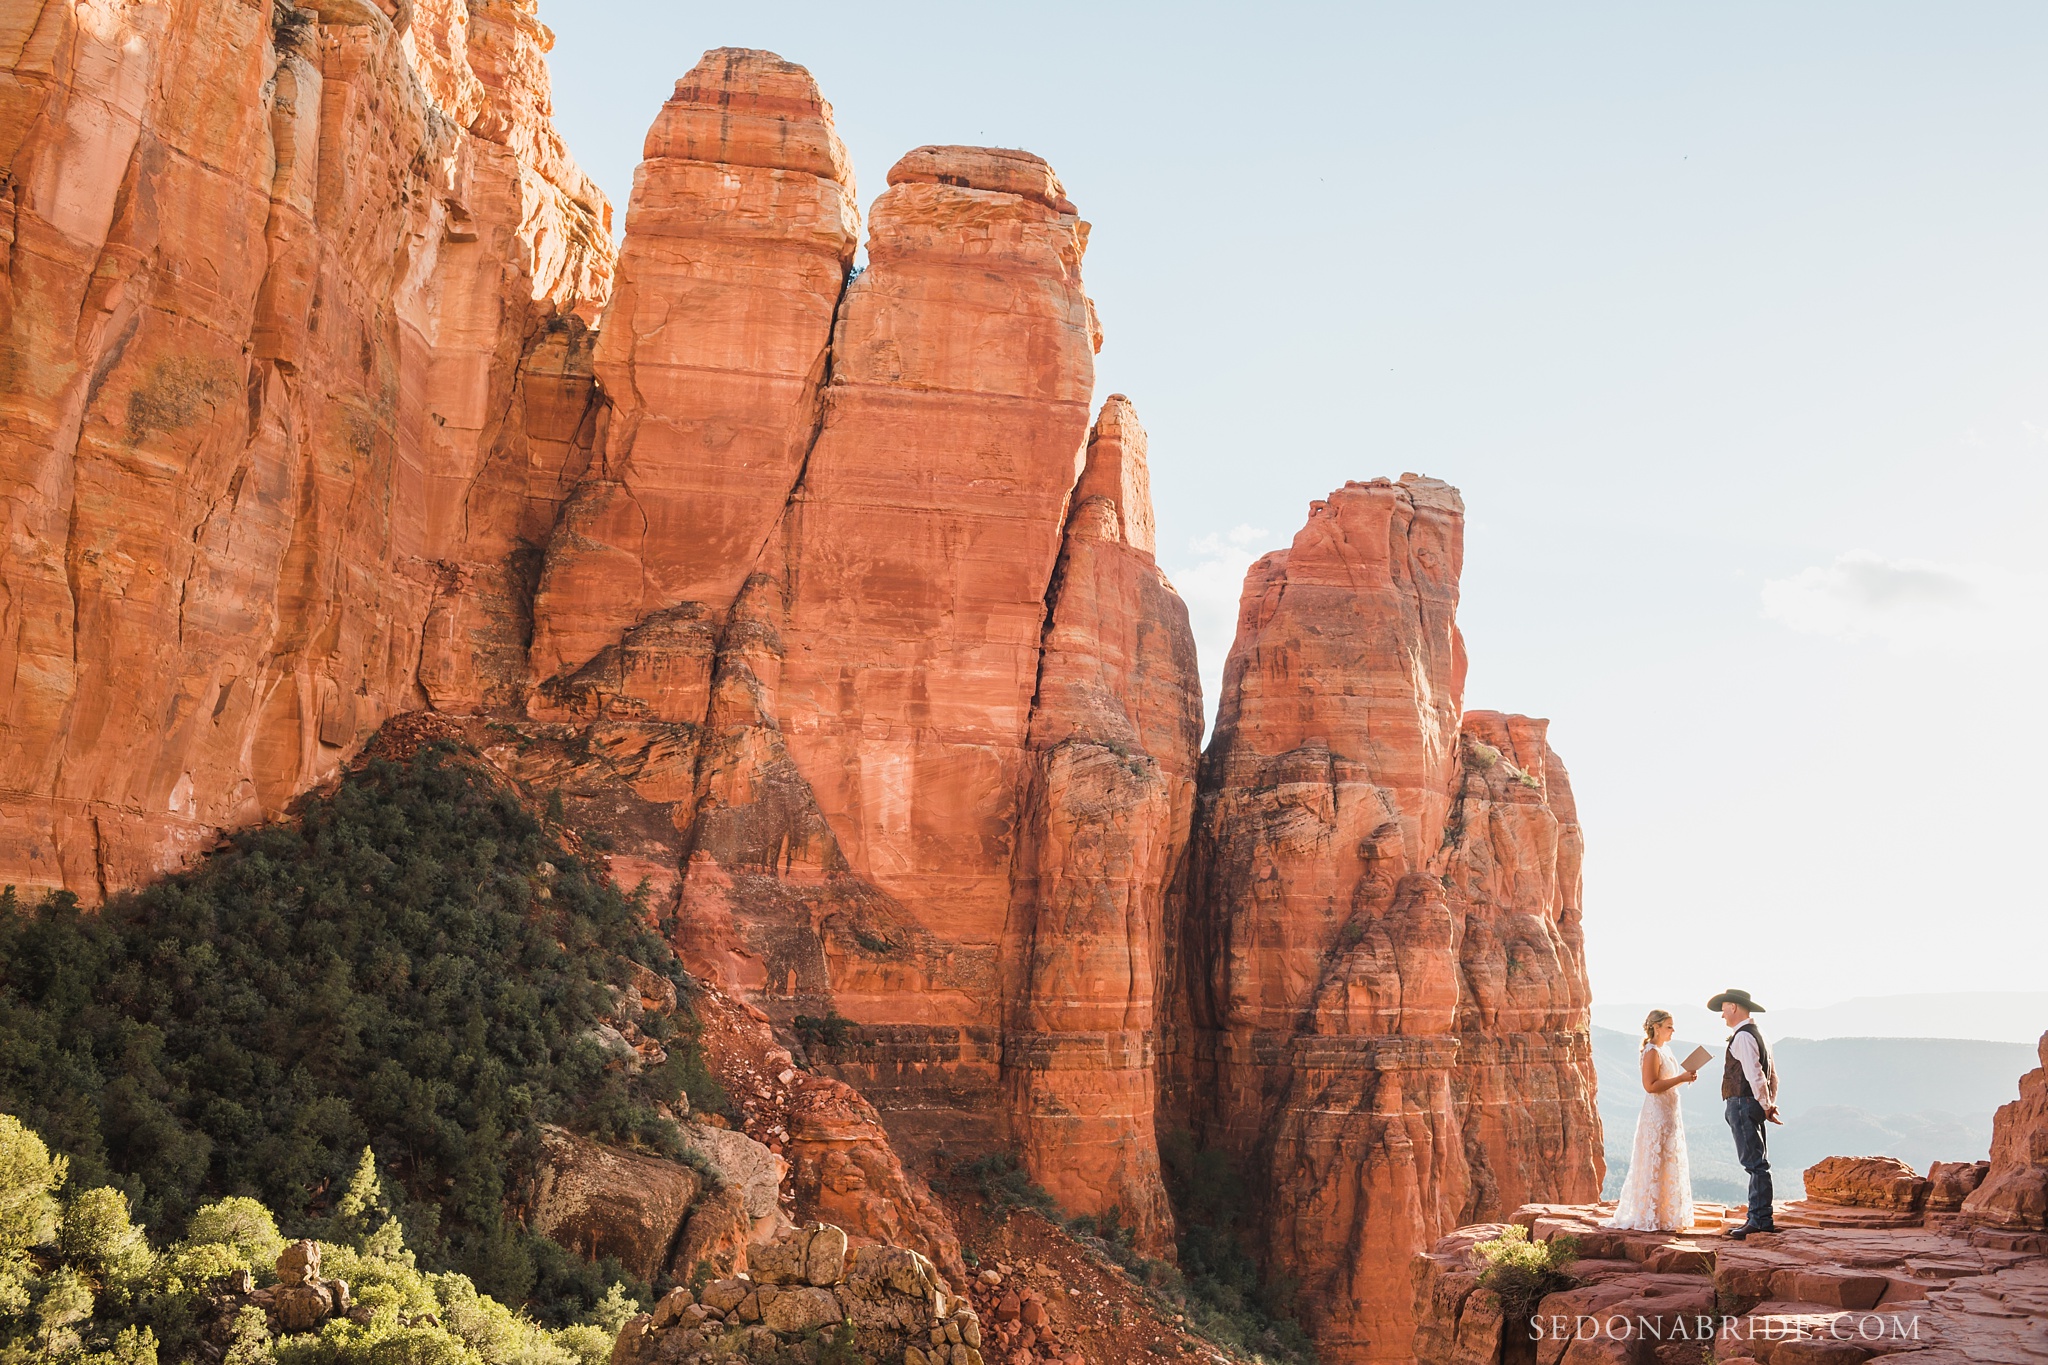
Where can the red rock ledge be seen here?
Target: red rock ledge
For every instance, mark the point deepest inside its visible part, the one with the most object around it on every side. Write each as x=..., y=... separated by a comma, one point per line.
x=1829, y=1290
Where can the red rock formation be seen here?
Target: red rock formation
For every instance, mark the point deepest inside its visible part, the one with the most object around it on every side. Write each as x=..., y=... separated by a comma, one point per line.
x=849, y=843
x=2014, y=1192
x=1830, y=1290
x=306, y=423
x=1949, y=1183
x=845, y=1170
x=1387, y=1014
x=602, y=1201
x=1523, y=1088
x=919, y=549
x=841, y=1165
x=271, y=278
x=1866, y=1182
x=738, y=240
x=1109, y=791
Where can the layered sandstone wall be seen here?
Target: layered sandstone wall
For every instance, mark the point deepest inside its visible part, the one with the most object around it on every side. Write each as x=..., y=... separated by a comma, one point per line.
x=1387, y=997
x=275, y=284
x=911, y=707
x=1105, y=811
x=738, y=239
x=814, y=592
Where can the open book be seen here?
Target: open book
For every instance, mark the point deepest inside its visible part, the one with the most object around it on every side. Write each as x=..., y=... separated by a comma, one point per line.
x=1696, y=1060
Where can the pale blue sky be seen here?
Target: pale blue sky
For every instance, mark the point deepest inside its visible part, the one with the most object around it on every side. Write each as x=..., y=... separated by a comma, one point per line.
x=1731, y=322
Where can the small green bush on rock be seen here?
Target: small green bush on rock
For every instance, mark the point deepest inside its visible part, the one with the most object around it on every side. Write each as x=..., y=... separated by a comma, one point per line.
x=1521, y=1273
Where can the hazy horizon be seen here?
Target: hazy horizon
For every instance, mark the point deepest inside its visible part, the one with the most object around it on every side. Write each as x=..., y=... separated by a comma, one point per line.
x=1729, y=325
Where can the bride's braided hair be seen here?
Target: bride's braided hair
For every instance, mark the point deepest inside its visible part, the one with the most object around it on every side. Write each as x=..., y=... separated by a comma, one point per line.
x=1650, y=1023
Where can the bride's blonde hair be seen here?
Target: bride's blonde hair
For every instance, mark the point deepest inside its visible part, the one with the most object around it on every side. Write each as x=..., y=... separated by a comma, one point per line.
x=1651, y=1021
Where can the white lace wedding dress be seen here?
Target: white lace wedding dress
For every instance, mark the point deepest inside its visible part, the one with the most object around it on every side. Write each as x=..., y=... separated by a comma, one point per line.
x=1657, y=1196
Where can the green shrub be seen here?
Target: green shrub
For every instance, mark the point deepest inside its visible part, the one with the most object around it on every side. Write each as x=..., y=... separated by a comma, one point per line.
x=833, y=1030
x=380, y=971
x=837, y=1347
x=1007, y=1186
x=98, y=1237
x=240, y=1224
x=29, y=1180
x=874, y=943
x=612, y=1311
x=1521, y=1272
x=249, y=1342
x=72, y=1310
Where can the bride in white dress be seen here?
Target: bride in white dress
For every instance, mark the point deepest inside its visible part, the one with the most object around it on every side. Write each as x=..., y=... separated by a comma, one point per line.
x=1657, y=1195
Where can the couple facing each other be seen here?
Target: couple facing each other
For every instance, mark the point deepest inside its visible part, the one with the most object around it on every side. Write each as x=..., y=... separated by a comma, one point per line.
x=1657, y=1195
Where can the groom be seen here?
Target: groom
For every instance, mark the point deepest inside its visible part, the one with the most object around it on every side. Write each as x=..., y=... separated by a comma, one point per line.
x=1749, y=1087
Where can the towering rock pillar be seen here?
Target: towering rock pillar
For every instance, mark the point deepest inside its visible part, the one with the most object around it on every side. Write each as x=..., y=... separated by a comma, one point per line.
x=1359, y=900
x=1104, y=815
x=713, y=351
x=915, y=558
x=1523, y=1088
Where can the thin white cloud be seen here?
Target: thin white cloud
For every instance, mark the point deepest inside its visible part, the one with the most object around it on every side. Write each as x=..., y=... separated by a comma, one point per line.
x=1908, y=603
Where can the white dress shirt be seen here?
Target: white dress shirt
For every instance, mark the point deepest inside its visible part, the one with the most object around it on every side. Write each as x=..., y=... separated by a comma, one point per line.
x=1764, y=1087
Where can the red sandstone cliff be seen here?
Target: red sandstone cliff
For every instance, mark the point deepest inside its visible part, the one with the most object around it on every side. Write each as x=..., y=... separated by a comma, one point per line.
x=294, y=377
x=1107, y=799
x=818, y=596
x=713, y=353
x=1387, y=996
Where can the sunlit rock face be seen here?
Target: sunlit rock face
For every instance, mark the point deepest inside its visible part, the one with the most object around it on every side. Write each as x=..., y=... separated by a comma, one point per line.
x=713, y=352
x=1386, y=992
x=294, y=303
x=824, y=600
x=852, y=596
x=1107, y=796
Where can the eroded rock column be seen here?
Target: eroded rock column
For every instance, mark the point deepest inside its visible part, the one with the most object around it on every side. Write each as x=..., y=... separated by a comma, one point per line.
x=915, y=558
x=1367, y=919
x=713, y=353
x=1104, y=818
x=1523, y=1088
x=2014, y=1194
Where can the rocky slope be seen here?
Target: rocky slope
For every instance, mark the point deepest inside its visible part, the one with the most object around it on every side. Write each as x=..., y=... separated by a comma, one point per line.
x=816, y=595
x=1832, y=1290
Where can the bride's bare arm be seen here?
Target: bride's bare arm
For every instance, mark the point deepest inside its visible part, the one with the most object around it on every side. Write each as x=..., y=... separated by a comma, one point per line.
x=1653, y=1083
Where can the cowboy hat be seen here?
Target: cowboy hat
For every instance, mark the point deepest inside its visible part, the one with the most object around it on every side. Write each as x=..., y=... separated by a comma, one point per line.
x=1735, y=998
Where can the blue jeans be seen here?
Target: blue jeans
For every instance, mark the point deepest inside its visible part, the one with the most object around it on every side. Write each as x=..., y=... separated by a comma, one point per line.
x=1746, y=1121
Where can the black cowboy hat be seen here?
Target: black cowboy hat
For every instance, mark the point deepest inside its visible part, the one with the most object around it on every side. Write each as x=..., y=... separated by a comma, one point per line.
x=1735, y=998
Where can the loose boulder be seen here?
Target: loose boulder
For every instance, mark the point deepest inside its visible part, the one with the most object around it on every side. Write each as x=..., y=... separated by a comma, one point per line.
x=886, y=1303
x=1867, y=1182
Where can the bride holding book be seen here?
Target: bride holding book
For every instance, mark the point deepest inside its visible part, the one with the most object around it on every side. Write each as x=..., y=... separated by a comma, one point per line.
x=1657, y=1194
